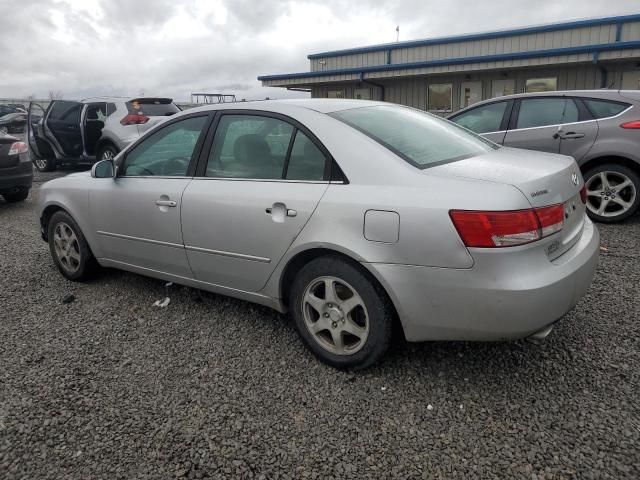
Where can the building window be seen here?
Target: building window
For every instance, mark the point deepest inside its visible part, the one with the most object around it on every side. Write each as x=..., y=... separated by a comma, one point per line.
x=541, y=85
x=335, y=94
x=503, y=87
x=362, y=93
x=439, y=97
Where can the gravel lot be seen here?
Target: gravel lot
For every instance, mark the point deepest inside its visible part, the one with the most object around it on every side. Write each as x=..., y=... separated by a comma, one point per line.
x=109, y=386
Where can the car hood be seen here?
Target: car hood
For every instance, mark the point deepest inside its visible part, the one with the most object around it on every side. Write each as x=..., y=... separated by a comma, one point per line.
x=544, y=178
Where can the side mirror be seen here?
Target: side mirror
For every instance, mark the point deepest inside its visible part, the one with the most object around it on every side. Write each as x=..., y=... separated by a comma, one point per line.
x=103, y=169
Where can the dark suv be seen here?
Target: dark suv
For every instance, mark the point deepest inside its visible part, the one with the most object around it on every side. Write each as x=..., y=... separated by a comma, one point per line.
x=599, y=128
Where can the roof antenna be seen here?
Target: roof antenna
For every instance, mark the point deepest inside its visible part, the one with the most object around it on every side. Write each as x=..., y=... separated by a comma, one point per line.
x=397, y=33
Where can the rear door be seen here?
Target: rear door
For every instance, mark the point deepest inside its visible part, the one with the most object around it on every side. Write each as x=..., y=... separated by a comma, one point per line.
x=535, y=123
x=62, y=127
x=256, y=190
x=489, y=120
x=577, y=138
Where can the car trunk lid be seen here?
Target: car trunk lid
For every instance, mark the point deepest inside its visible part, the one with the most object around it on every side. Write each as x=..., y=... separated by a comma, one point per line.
x=156, y=109
x=544, y=179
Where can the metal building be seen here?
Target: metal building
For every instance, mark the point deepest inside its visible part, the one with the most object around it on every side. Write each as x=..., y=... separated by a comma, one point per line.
x=445, y=74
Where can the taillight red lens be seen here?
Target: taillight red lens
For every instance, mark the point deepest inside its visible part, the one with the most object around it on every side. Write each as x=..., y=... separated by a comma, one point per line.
x=17, y=148
x=634, y=124
x=134, y=119
x=583, y=194
x=509, y=228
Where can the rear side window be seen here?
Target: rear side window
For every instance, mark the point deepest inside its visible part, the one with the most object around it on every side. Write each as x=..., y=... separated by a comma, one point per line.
x=484, y=119
x=604, y=108
x=152, y=107
x=540, y=112
x=66, y=111
x=306, y=161
x=421, y=139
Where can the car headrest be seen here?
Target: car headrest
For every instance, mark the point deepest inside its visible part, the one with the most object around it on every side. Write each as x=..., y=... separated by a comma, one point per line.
x=251, y=149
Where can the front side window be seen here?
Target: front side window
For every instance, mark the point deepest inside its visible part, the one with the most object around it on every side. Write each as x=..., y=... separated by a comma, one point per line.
x=604, y=108
x=541, y=85
x=439, y=97
x=540, y=112
x=484, y=119
x=421, y=139
x=166, y=152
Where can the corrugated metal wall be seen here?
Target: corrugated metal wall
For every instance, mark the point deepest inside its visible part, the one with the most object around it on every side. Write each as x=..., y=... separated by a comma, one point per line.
x=510, y=44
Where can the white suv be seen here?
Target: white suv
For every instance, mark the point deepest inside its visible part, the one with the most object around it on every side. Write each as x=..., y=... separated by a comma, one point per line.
x=92, y=129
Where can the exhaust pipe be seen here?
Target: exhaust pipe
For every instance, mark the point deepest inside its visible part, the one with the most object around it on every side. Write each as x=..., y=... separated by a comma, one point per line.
x=538, y=337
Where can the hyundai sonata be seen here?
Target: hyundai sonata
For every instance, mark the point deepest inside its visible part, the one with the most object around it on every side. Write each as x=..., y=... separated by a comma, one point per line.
x=352, y=215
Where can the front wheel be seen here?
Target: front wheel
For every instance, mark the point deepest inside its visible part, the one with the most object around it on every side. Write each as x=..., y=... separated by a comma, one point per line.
x=613, y=192
x=341, y=315
x=69, y=248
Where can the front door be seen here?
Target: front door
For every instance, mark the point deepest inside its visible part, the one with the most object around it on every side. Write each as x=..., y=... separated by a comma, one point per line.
x=62, y=127
x=470, y=93
x=536, y=122
x=263, y=179
x=136, y=216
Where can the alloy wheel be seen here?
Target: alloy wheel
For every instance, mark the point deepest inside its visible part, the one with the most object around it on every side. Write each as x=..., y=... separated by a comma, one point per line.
x=610, y=193
x=335, y=315
x=107, y=155
x=67, y=247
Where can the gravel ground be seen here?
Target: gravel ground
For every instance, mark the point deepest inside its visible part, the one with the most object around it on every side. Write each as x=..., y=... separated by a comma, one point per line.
x=109, y=386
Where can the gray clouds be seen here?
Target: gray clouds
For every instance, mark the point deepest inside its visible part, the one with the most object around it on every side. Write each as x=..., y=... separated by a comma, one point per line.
x=173, y=47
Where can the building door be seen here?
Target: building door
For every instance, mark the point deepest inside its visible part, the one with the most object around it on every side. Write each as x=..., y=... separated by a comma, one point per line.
x=362, y=94
x=470, y=93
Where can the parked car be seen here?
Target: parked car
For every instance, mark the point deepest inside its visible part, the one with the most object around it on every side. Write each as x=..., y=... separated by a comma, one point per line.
x=16, y=171
x=366, y=212
x=6, y=109
x=599, y=128
x=13, y=123
x=92, y=129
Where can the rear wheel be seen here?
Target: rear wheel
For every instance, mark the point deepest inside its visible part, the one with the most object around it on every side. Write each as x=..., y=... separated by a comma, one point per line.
x=69, y=248
x=107, y=152
x=18, y=196
x=343, y=317
x=45, y=164
x=613, y=192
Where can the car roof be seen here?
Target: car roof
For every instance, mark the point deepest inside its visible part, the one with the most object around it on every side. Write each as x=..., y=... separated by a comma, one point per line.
x=321, y=105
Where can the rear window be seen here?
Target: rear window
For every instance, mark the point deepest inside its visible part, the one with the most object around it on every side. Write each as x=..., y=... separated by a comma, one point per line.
x=152, y=107
x=421, y=139
x=604, y=108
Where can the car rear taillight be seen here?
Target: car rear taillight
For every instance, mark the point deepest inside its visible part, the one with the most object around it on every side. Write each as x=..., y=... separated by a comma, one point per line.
x=634, y=124
x=134, y=119
x=583, y=194
x=17, y=148
x=506, y=229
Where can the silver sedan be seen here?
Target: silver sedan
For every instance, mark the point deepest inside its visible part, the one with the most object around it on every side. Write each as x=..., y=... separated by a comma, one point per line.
x=351, y=215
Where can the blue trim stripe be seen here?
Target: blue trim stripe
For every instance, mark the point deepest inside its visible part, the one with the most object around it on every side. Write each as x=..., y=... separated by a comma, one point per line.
x=480, y=36
x=553, y=52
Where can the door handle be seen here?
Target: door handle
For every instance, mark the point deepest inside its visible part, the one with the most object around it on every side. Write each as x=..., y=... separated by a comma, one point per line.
x=279, y=211
x=290, y=212
x=166, y=203
x=570, y=135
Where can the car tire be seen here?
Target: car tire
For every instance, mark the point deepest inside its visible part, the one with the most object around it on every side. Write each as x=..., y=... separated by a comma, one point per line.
x=107, y=152
x=606, y=202
x=69, y=248
x=350, y=329
x=45, y=164
x=18, y=196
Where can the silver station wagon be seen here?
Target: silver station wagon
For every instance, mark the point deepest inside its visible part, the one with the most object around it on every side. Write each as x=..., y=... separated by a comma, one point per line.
x=351, y=215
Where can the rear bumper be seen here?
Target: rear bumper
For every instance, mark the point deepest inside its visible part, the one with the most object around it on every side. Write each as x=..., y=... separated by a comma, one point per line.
x=13, y=178
x=503, y=296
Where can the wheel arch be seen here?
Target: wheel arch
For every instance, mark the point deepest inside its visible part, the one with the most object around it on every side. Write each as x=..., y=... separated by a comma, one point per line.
x=106, y=141
x=301, y=258
x=605, y=159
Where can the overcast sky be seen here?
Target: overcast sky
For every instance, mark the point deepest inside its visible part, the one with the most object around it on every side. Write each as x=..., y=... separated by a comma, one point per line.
x=175, y=47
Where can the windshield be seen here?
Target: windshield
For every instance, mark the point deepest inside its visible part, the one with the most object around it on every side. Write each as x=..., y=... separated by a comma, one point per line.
x=421, y=139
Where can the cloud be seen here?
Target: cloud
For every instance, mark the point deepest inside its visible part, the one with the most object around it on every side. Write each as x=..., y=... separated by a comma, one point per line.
x=175, y=47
